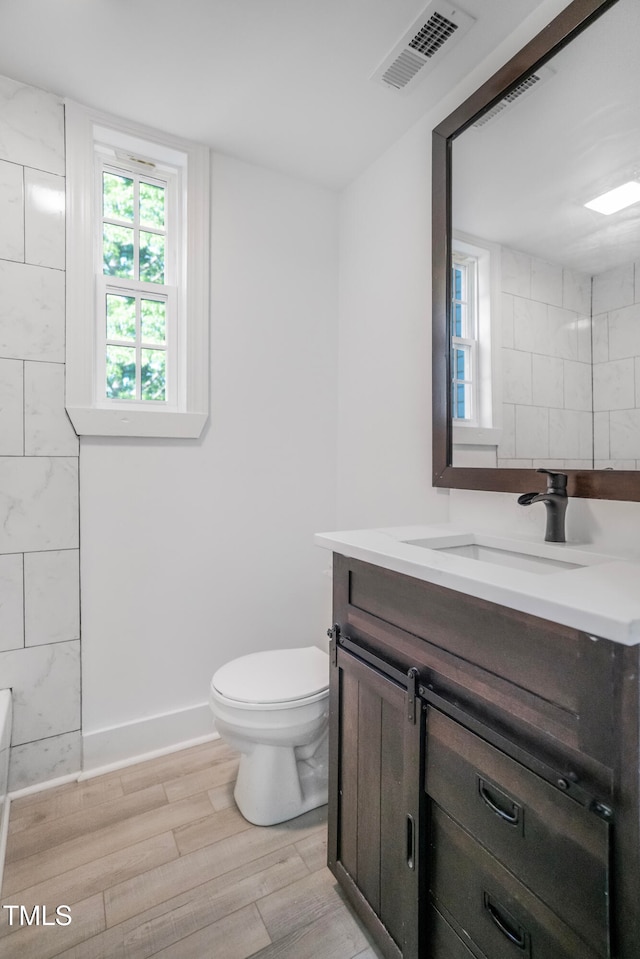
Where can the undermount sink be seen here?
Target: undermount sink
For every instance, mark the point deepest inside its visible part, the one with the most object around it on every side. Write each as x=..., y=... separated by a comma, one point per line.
x=529, y=557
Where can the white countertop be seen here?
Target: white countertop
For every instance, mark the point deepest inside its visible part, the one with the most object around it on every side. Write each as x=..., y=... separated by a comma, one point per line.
x=601, y=597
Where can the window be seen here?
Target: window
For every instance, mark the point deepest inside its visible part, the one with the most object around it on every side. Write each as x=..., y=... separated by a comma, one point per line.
x=464, y=342
x=137, y=279
x=136, y=291
x=475, y=339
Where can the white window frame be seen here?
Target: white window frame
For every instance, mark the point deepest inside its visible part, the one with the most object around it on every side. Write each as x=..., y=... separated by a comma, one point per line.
x=485, y=426
x=468, y=339
x=167, y=292
x=93, y=139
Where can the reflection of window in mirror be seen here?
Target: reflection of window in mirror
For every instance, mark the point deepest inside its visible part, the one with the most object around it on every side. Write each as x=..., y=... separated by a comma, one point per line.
x=475, y=345
x=464, y=338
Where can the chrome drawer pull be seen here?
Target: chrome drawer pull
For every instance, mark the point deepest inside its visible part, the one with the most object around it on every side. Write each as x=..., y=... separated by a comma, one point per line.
x=515, y=935
x=511, y=816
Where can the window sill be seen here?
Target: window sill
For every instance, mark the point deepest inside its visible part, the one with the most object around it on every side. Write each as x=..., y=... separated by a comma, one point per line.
x=476, y=436
x=90, y=421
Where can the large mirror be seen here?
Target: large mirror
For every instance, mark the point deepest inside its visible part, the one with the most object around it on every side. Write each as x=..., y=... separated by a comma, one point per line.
x=537, y=295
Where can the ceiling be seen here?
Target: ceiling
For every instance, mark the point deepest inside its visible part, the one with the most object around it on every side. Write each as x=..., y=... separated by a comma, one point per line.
x=282, y=83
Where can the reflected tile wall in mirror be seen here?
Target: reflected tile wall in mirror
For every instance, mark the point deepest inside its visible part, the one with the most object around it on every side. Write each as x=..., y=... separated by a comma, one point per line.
x=569, y=274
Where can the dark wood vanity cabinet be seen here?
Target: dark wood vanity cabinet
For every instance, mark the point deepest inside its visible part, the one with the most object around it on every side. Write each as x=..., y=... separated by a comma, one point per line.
x=484, y=784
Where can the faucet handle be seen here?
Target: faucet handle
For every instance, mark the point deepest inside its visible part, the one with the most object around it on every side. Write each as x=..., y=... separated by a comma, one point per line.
x=556, y=482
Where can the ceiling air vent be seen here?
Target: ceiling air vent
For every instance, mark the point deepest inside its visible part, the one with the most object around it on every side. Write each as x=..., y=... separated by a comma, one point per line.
x=523, y=89
x=435, y=31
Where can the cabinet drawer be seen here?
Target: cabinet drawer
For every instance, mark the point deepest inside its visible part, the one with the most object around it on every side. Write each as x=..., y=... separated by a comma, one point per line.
x=534, y=677
x=557, y=848
x=482, y=899
x=444, y=943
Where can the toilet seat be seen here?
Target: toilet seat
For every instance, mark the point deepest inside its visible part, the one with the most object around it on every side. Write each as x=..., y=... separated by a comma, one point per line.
x=274, y=678
x=273, y=708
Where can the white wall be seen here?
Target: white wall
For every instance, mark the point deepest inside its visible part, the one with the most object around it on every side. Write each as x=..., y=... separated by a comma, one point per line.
x=196, y=552
x=384, y=436
x=384, y=431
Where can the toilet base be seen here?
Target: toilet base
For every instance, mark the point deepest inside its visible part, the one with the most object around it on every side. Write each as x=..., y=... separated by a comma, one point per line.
x=277, y=783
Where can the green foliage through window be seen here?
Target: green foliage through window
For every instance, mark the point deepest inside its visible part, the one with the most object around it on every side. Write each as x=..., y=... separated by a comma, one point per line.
x=153, y=321
x=153, y=374
x=117, y=197
x=118, y=251
x=152, y=205
x=138, y=203
x=151, y=257
x=121, y=373
x=121, y=317
x=134, y=244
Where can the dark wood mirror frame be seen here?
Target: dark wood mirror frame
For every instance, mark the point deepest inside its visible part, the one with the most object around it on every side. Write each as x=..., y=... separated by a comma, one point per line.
x=597, y=484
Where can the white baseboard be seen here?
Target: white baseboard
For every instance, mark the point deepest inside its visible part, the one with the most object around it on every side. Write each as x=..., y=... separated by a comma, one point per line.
x=117, y=746
x=124, y=745
x=45, y=784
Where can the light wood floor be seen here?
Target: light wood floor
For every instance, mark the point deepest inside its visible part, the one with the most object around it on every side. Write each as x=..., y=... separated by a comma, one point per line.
x=155, y=860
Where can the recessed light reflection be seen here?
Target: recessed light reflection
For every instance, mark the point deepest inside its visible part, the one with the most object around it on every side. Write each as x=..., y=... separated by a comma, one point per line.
x=617, y=199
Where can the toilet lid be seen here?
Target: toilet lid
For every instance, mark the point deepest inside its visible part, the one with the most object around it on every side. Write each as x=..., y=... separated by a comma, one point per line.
x=274, y=676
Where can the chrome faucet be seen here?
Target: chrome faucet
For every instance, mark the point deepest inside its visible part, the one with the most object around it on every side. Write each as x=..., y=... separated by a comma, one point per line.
x=555, y=501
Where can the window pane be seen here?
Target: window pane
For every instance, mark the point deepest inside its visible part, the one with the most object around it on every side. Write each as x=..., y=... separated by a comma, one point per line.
x=460, y=364
x=459, y=309
x=457, y=283
x=461, y=385
x=117, y=196
x=153, y=374
x=457, y=319
x=121, y=317
x=459, y=401
x=153, y=321
x=121, y=373
x=151, y=257
x=118, y=251
x=151, y=204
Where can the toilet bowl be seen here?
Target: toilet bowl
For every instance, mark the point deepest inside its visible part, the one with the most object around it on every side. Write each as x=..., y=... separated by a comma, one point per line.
x=273, y=707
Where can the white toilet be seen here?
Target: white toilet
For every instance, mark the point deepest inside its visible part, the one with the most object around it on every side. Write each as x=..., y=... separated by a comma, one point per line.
x=273, y=707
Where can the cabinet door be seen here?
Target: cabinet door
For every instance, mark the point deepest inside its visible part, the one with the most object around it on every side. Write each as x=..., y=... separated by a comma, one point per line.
x=375, y=796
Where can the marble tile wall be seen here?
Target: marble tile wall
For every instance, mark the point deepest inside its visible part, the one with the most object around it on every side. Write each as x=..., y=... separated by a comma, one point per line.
x=39, y=510
x=616, y=368
x=546, y=365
